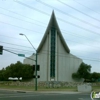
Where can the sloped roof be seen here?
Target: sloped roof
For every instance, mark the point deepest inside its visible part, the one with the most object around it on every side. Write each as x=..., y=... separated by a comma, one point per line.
x=53, y=23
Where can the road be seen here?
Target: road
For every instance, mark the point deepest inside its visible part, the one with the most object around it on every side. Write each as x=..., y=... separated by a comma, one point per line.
x=8, y=95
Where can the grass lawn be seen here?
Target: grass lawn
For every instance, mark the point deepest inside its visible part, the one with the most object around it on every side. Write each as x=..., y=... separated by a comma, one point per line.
x=32, y=88
x=96, y=88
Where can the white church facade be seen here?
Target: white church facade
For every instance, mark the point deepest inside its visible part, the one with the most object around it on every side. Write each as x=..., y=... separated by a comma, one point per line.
x=54, y=57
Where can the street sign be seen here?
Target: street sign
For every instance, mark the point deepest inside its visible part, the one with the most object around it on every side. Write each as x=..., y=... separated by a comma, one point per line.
x=21, y=55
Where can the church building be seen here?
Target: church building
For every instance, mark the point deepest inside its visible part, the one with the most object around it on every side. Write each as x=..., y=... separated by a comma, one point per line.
x=54, y=57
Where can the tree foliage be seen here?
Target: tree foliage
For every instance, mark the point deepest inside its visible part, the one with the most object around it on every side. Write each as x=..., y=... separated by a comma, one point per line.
x=16, y=70
x=95, y=76
x=82, y=72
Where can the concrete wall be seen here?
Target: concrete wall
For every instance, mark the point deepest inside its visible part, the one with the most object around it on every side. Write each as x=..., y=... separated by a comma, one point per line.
x=44, y=60
x=65, y=63
x=84, y=88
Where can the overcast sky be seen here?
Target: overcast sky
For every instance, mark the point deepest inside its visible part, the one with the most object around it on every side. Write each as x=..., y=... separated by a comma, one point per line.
x=79, y=22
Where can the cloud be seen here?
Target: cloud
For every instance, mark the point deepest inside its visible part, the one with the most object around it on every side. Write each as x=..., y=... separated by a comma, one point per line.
x=33, y=23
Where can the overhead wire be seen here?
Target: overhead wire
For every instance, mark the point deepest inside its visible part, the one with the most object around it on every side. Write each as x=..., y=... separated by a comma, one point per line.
x=70, y=14
x=86, y=7
x=20, y=19
x=30, y=47
x=17, y=49
x=63, y=55
x=21, y=15
x=12, y=37
x=65, y=39
x=18, y=26
x=57, y=17
x=78, y=35
x=56, y=53
x=19, y=2
x=32, y=23
x=13, y=12
x=16, y=45
x=78, y=10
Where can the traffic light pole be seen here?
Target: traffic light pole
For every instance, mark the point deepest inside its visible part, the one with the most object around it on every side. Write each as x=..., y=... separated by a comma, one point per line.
x=36, y=73
x=35, y=60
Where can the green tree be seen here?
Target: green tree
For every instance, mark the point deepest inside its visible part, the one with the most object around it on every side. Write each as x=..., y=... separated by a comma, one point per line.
x=82, y=72
x=95, y=76
x=17, y=70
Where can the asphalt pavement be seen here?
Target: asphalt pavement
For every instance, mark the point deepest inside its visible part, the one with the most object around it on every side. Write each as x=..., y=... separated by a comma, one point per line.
x=43, y=95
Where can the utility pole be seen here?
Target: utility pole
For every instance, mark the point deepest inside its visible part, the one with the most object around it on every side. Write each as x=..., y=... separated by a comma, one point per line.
x=35, y=61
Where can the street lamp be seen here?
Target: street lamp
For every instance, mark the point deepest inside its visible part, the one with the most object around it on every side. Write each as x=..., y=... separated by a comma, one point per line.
x=35, y=61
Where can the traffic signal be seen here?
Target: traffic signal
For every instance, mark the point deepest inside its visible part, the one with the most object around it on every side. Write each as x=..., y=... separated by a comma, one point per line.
x=1, y=50
x=38, y=67
x=38, y=76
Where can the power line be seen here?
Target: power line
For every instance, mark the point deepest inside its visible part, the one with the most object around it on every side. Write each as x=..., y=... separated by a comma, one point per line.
x=17, y=54
x=78, y=35
x=82, y=43
x=32, y=8
x=57, y=17
x=12, y=37
x=78, y=10
x=60, y=54
x=78, y=26
x=21, y=19
x=18, y=27
x=63, y=54
x=69, y=14
x=86, y=7
x=66, y=39
x=29, y=29
x=21, y=15
x=10, y=11
x=17, y=49
x=15, y=44
x=97, y=60
x=25, y=21
x=27, y=17
x=63, y=31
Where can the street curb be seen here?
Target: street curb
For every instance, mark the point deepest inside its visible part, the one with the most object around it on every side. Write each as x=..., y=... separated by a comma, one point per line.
x=22, y=91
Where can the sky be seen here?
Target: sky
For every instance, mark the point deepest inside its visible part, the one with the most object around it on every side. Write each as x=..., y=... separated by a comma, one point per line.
x=78, y=20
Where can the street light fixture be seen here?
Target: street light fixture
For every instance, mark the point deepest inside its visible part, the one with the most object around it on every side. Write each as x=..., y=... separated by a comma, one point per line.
x=35, y=61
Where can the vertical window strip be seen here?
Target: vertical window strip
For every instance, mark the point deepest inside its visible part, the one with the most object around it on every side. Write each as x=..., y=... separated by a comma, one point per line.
x=52, y=59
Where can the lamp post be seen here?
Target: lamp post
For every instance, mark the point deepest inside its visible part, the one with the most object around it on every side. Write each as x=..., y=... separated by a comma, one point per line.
x=35, y=61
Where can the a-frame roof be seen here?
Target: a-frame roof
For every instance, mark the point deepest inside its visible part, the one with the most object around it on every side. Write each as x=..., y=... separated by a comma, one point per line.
x=53, y=23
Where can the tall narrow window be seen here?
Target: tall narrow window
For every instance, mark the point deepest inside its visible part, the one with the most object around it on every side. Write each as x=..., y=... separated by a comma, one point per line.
x=52, y=57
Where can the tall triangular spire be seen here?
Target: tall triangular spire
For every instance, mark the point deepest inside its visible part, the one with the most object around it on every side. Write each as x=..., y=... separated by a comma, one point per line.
x=53, y=23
